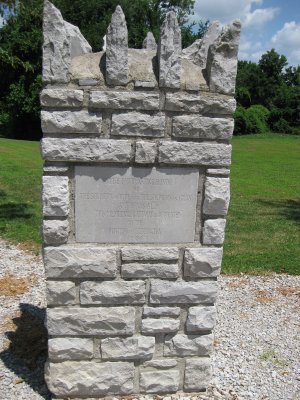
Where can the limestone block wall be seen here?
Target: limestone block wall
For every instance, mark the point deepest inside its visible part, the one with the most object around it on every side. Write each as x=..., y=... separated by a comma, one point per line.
x=131, y=309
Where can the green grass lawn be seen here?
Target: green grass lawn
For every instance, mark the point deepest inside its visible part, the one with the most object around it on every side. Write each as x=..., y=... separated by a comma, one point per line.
x=262, y=231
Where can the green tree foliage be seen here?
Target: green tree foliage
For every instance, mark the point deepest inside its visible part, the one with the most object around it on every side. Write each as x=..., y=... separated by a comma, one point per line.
x=21, y=47
x=251, y=120
x=274, y=86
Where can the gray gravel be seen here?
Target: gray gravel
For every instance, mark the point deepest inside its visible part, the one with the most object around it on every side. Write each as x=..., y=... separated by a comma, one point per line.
x=257, y=349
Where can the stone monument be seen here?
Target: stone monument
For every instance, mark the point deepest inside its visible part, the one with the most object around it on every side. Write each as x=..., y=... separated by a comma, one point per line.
x=135, y=191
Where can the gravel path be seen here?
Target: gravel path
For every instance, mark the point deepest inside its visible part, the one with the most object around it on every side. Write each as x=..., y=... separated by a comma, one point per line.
x=257, y=339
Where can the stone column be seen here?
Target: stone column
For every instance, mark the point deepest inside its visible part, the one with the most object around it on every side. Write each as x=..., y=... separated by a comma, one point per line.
x=135, y=193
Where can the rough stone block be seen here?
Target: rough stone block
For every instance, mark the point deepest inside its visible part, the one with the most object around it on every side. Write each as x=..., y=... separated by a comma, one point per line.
x=80, y=262
x=58, y=168
x=116, y=292
x=214, y=231
x=86, y=379
x=169, y=52
x=61, y=98
x=145, y=152
x=70, y=122
x=188, y=153
x=188, y=345
x=161, y=312
x=201, y=319
x=218, y=171
x=93, y=321
x=217, y=196
x=61, y=349
x=117, y=49
x=204, y=104
x=133, y=348
x=151, y=326
x=138, y=124
x=159, y=381
x=89, y=150
x=61, y=293
x=221, y=65
x=124, y=100
x=163, y=292
x=161, y=363
x=163, y=271
x=202, y=262
x=149, y=42
x=150, y=254
x=55, y=232
x=195, y=126
x=198, y=374
x=55, y=196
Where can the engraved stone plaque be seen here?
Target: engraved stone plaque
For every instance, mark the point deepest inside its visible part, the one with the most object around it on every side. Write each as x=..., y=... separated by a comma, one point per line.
x=135, y=204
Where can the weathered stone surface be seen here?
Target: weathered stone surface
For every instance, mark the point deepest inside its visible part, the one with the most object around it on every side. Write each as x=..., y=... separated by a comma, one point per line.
x=60, y=349
x=124, y=100
x=159, y=381
x=61, y=98
x=163, y=271
x=214, y=231
x=201, y=319
x=117, y=49
x=145, y=152
x=169, y=52
x=55, y=196
x=88, y=82
x=217, y=196
x=161, y=363
x=61, y=293
x=58, y=168
x=86, y=379
x=163, y=292
x=202, y=262
x=204, y=103
x=144, y=84
x=70, y=122
x=189, y=153
x=86, y=67
x=188, y=345
x=80, y=262
x=93, y=321
x=133, y=348
x=198, y=374
x=197, y=52
x=154, y=325
x=222, y=60
x=71, y=150
x=55, y=232
x=116, y=292
x=150, y=254
x=191, y=77
x=62, y=42
x=195, y=126
x=141, y=63
x=150, y=42
x=218, y=171
x=138, y=124
x=161, y=312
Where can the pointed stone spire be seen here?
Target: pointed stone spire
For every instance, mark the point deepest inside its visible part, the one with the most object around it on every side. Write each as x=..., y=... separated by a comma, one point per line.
x=221, y=68
x=197, y=52
x=62, y=42
x=117, y=49
x=170, y=52
x=149, y=42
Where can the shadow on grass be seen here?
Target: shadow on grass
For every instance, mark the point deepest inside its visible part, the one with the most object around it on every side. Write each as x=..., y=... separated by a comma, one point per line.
x=289, y=208
x=27, y=350
x=12, y=210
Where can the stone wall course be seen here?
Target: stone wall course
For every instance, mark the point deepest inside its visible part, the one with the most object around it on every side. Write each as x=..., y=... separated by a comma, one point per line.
x=93, y=321
x=124, y=100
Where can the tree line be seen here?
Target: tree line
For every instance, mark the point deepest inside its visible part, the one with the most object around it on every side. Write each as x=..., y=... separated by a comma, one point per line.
x=267, y=92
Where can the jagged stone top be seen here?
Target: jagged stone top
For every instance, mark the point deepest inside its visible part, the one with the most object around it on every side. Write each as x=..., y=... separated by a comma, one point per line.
x=210, y=63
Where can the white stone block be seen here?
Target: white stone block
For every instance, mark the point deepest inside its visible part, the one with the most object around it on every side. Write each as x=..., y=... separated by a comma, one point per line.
x=145, y=152
x=202, y=262
x=138, y=124
x=182, y=345
x=124, y=100
x=217, y=196
x=55, y=196
x=214, y=231
x=62, y=349
x=138, y=270
x=159, y=381
x=133, y=348
x=150, y=254
x=55, y=232
x=61, y=293
x=198, y=374
x=61, y=98
x=151, y=326
x=71, y=122
x=201, y=318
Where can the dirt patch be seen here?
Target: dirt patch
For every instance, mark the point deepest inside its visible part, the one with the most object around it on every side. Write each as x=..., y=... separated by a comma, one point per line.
x=263, y=296
x=289, y=291
x=10, y=285
x=237, y=284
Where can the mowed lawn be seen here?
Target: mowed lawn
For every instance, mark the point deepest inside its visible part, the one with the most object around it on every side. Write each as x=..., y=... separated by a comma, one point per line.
x=262, y=232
